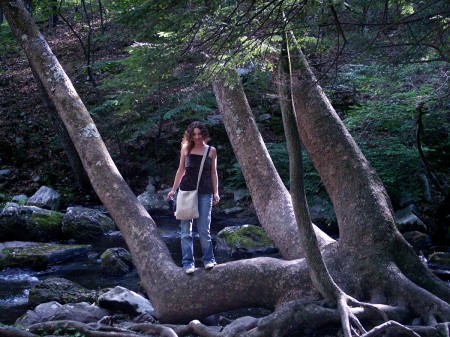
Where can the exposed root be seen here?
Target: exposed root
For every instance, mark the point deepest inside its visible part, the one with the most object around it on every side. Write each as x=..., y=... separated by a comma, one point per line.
x=9, y=331
x=158, y=329
x=390, y=325
x=88, y=330
x=431, y=308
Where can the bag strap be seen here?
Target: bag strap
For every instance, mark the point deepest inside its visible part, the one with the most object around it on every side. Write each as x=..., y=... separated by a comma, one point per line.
x=201, y=166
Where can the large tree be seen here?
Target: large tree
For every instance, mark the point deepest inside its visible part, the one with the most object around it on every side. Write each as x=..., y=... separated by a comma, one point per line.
x=371, y=261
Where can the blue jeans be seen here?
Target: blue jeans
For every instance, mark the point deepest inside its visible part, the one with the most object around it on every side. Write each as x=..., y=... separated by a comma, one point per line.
x=203, y=223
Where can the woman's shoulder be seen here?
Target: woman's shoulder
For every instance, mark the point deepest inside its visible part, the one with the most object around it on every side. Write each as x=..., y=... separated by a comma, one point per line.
x=212, y=152
x=184, y=150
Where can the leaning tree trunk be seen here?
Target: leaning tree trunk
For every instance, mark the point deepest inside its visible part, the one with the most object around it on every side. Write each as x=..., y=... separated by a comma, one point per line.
x=261, y=282
x=363, y=209
x=269, y=195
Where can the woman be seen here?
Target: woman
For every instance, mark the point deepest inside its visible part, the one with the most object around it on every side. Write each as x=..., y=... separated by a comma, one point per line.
x=193, y=147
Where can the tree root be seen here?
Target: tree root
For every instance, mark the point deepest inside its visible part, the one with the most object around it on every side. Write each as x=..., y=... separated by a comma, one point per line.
x=290, y=319
x=88, y=330
x=9, y=331
x=390, y=325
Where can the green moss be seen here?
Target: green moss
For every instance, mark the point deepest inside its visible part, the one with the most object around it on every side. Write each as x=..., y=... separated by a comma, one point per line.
x=50, y=220
x=32, y=256
x=247, y=236
x=46, y=226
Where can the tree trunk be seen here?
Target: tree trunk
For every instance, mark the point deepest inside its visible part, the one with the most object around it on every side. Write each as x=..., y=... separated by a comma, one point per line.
x=319, y=273
x=368, y=235
x=262, y=282
x=269, y=195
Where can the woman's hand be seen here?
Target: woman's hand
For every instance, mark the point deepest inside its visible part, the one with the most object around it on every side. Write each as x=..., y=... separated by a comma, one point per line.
x=216, y=198
x=170, y=195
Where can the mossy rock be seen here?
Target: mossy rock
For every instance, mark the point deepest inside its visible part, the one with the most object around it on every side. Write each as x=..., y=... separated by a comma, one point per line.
x=244, y=240
x=37, y=256
x=29, y=223
x=60, y=290
x=86, y=225
x=116, y=261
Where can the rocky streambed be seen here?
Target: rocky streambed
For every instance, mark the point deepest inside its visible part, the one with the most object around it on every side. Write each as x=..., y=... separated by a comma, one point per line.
x=39, y=242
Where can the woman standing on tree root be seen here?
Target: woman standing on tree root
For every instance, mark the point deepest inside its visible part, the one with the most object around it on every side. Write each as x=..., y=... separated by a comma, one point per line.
x=193, y=147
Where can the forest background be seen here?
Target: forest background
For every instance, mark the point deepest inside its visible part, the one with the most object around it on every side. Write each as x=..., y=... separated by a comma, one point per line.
x=143, y=70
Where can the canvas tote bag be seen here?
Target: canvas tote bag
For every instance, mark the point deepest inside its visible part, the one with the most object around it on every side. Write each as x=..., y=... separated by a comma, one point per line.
x=187, y=201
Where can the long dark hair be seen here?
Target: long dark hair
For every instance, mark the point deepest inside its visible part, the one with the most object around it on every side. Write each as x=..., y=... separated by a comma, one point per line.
x=189, y=134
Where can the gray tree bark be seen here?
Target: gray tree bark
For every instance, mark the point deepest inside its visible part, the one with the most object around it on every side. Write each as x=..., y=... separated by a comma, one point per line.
x=270, y=197
x=369, y=242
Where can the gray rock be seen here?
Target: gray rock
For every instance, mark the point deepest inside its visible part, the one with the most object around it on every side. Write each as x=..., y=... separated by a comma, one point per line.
x=53, y=311
x=4, y=173
x=244, y=240
x=42, y=313
x=154, y=201
x=46, y=198
x=240, y=194
x=20, y=199
x=407, y=221
x=125, y=300
x=116, y=261
x=22, y=254
x=60, y=290
x=29, y=223
x=264, y=117
x=85, y=224
x=80, y=312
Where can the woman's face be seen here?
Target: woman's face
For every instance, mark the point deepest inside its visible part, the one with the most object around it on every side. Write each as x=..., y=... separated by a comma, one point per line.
x=197, y=136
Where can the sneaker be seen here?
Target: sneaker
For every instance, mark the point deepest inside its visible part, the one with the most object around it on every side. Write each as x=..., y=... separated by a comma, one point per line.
x=210, y=265
x=189, y=270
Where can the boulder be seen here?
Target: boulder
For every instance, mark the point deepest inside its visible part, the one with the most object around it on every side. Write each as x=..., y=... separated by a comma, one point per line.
x=244, y=240
x=154, y=201
x=125, y=300
x=37, y=256
x=46, y=198
x=53, y=311
x=42, y=313
x=60, y=290
x=29, y=223
x=116, y=261
x=85, y=224
x=407, y=220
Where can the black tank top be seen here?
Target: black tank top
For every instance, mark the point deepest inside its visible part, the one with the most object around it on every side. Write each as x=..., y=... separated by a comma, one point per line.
x=189, y=181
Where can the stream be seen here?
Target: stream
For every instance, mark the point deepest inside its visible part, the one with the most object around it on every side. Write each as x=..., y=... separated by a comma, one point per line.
x=15, y=283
